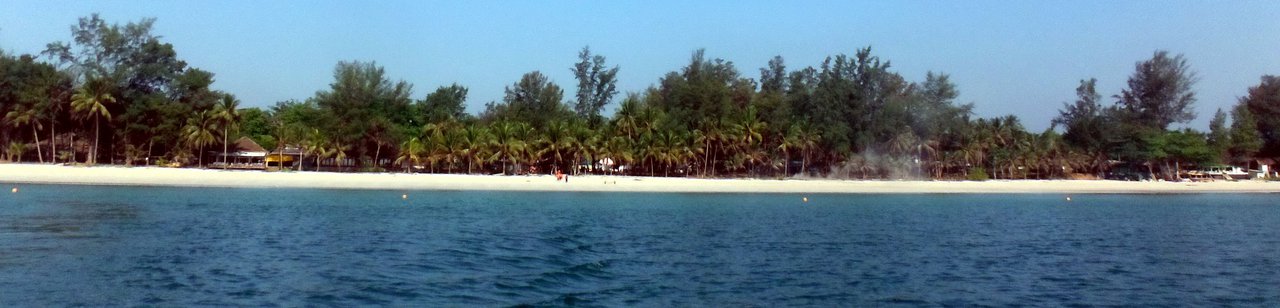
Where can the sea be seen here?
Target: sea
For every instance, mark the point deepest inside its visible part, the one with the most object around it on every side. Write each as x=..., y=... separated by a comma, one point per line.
x=156, y=246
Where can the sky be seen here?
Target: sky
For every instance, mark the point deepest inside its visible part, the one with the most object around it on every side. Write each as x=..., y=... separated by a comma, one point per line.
x=1007, y=57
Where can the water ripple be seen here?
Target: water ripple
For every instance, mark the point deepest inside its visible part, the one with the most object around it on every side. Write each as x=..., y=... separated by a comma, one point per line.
x=103, y=246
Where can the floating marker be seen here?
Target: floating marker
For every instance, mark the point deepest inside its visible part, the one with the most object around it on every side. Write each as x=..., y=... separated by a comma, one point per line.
x=805, y=199
x=15, y=190
x=404, y=196
x=1068, y=198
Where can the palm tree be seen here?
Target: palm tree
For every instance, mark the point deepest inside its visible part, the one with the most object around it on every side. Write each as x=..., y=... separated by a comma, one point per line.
x=527, y=154
x=227, y=116
x=807, y=140
x=715, y=133
x=556, y=142
x=54, y=108
x=91, y=100
x=199, y=132
x=663, y=150
x=450, y=148
x=475, y=141
x=340, y=154
x=323, y=150
x=621, y=150
x=508, y=142
x=788, y=141
x=410, y=152
x=583, y=143
x=15, y=150
x=315, y=144
x=750, y=131
x=24, y=114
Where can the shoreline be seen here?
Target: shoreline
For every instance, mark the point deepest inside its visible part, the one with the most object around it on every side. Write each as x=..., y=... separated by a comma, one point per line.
x=181, y=177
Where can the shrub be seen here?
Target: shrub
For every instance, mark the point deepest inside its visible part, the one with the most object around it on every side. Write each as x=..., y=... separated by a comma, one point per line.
x=978, y=174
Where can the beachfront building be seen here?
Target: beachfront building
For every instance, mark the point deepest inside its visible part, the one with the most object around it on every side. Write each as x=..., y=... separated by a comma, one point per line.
x=1266, y=168
x=243, y=154
x=284, y=158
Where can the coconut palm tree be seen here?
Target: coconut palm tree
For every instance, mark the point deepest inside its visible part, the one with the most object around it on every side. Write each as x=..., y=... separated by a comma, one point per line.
x=315, y=144
x=807, y=140
x=788, y=141
x=508, y=142
x=410, y=152
x=580, y=145
x=449, y=148
x=15, y=151
x=621, y=150
x=475, y=141
x=556, y=142
x=225, y=112
x=750, y=131
x=27, y=114
x=199, y=133
x=340, y=154
x=322, y=149
x=91, y=100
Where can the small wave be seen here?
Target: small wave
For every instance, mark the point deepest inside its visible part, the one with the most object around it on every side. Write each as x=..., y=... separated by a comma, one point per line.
x=903, y=299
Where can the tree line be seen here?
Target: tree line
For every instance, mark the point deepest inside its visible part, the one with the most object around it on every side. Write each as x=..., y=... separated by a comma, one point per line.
x=118, y=94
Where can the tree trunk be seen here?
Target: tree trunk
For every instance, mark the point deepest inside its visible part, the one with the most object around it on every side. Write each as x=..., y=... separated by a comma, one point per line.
x=706, y=158
x=39, y=154
x=804, y=162
x=711, y=163
x=376, y=153
x=93, y=154
x=224, y=148
x=53, y=142
x=786, y=163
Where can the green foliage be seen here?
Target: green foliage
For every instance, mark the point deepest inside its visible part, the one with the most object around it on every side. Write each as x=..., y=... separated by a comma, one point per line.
x=1186, y=146
x=977, y=174
x=1219, y=139
x=534, y=100
x=447, y=103
x=256, y=124
x=1263, y=101
x=374, y=112
x=1085, y=121
x=1245, y=139
x=597, y=84
x=1160, y=91
x=15, y=150
x=850, y=115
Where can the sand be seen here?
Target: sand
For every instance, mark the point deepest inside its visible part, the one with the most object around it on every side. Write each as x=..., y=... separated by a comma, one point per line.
x=17, y=174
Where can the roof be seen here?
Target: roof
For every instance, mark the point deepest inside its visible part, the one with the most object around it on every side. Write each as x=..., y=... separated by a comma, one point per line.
x=244, y=144
x=288, y=150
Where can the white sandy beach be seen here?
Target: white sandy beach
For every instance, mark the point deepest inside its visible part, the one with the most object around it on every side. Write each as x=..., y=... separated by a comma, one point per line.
x=151, y=176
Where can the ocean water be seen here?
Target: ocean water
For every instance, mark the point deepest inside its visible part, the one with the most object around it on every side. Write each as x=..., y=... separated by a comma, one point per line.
x=114, y=246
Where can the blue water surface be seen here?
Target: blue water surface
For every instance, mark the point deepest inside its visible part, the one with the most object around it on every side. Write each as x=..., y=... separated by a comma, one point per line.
x=110, y=246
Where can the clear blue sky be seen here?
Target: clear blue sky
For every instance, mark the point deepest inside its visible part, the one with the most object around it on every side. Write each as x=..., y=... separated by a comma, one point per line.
x=1008, y=57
